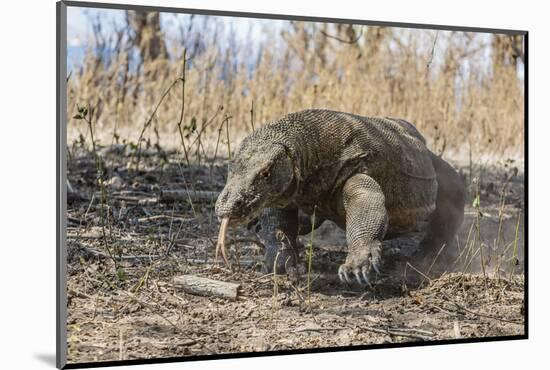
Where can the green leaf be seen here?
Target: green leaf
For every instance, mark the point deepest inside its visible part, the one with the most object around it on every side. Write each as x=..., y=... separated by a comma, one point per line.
x=192, y=127
x=476, y=202
x=78, y=116
x=121, y=274
x=83, y=111
x=193, y=124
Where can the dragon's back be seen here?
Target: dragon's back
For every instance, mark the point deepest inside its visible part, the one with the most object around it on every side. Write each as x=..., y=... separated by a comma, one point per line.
x=330, y=137
x=333, y=146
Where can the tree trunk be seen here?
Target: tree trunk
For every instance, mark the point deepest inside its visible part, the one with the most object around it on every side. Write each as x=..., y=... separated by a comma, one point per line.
x=148, y=37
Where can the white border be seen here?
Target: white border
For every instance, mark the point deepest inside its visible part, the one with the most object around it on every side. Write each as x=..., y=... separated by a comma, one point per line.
x=28, y=181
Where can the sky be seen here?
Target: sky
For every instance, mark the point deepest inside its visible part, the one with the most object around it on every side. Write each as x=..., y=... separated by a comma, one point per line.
x=80, y=31
x=79, y=26
x=249, y=30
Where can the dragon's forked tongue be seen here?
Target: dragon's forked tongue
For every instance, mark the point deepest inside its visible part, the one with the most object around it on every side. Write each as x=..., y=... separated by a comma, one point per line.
x=220, y=246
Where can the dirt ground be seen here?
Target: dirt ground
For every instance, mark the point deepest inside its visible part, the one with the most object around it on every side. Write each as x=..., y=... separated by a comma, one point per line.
x=127, y=242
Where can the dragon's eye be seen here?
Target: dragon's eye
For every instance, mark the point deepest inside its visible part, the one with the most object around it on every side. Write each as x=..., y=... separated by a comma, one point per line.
x=265, y=173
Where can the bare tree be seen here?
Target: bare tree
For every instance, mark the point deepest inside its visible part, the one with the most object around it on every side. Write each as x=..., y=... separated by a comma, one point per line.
x=507, y=50
x=147, y=35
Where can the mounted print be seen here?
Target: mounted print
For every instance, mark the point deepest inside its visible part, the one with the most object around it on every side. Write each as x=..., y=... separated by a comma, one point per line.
x=235, y=184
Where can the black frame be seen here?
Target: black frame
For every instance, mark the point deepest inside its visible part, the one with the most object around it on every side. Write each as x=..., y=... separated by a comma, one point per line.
x=61, y=172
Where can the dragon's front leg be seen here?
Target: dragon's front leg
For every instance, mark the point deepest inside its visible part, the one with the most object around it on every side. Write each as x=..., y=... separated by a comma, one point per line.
x=278, y=230
x=366, y=223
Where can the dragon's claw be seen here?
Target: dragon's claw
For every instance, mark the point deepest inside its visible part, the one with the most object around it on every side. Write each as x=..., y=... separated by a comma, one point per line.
x=348, y=275
x=365, y=273
x=360, y=268
x=343, y=274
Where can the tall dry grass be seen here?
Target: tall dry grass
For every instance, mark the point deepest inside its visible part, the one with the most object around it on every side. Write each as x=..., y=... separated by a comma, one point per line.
x=446, y=83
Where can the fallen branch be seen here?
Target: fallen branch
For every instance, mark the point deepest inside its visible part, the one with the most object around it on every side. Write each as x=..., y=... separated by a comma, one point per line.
x=178, y=195
x=130, y=199
x=79, y=294
x=319, y=329
x=460, y=307
x=150, y=257
x=163, y=218
x=413, y=330
x=399, y=333
x=101, y=254
x=206, y=287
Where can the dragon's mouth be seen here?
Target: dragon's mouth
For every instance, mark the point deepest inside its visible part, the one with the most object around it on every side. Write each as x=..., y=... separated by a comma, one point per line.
x=232, y=221
x=235, y=221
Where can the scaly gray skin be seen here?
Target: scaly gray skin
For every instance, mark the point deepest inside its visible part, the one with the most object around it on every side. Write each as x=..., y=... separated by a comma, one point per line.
x=374, y=177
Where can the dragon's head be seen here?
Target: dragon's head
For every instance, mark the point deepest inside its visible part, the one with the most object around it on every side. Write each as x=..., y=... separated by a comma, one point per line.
x=259, y=176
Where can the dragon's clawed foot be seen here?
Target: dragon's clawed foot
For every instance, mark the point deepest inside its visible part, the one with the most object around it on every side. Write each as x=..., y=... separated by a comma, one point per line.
x=359, y=265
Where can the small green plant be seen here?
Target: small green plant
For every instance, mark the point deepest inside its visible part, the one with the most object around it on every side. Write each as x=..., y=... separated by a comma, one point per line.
x=310, y=255
x=226, y=119
x=274, y=305
x=477, y=206
x=85, y=113
x=514, y=259
x=180, y=128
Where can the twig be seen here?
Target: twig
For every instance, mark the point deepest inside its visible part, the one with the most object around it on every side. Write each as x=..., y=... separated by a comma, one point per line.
x=432, y=52
x=458, y=305
x=442, y=309
x=399, y=333
x=79, y=294
x=154, y=310
x=164, y=218
x=150, y=257
x=300, y=330
x=227, y=118
x=515, y=255
x=252, y=116
x=419, y=272
x=413, y=330
x=310, y=256
x=175, y=195
x=180, y=130
x=150, y=119
x=119, y=257
x=204, y=126
x=434, y=260
x=342, y=40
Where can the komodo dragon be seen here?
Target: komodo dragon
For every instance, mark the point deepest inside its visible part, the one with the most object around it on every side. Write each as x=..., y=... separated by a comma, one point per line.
x=374, y=177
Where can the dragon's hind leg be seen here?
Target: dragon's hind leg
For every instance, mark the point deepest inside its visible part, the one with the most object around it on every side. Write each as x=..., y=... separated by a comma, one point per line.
x=447, y=218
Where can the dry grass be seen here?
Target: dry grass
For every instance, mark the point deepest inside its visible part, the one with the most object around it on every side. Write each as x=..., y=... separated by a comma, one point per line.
x=451, y=89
